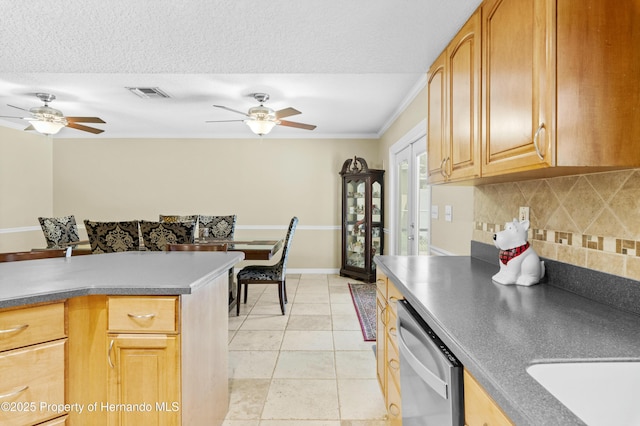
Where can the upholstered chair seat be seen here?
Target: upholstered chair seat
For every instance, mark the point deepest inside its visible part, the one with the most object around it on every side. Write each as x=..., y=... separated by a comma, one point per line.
x=59, y=231
x=269, y=274
x=111, y=237
x=156, y=235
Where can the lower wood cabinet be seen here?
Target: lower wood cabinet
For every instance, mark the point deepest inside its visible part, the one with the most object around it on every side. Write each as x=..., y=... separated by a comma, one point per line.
x=479, y=408
x=150, y=360
x=144, y=375
x=388, y=361
x=32, y=364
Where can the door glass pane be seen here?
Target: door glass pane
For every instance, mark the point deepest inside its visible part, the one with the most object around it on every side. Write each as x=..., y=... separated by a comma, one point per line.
x=403, y=206
x=424, y=205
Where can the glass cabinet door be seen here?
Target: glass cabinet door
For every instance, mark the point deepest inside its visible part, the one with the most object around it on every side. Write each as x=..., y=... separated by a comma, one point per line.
x=376, y=219
x=356, y=223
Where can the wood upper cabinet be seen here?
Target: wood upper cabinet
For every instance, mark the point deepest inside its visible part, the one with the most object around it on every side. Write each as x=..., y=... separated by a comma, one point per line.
x=514, y=87
x=436, y=115
x=453, y=137
x=560, y=85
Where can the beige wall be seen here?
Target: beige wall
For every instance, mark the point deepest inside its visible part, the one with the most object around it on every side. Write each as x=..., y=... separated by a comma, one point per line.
x=263, y=181
x=26, y=189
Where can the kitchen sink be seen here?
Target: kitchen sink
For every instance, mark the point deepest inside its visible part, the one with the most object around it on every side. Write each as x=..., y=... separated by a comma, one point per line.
x=599, y=393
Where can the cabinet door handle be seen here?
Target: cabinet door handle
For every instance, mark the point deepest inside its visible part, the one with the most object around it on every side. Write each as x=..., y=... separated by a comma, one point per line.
x=442, y=171
x=535, y=141
x=14, y=329
x=146, y=316
x=109, y=353
x=15, y=392
x=446, y=160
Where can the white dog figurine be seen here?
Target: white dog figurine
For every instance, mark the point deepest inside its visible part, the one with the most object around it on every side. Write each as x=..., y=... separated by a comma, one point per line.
x=519, y=263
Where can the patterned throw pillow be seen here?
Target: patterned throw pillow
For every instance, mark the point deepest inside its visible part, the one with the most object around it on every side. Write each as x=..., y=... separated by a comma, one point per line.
x=156, y=235
x=219, y=227
x=111, y=237
x=59, y=230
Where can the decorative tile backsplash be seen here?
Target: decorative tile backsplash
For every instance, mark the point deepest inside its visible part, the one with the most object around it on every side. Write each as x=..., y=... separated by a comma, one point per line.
x=590, y=220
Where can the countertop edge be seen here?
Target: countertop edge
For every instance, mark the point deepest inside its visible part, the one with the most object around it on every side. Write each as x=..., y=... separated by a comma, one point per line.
x=74, y=290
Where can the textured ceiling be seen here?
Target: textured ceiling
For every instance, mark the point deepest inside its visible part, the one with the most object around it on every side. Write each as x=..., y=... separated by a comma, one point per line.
x=347, y=65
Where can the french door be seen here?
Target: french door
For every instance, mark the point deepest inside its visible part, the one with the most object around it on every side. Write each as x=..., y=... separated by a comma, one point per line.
x=412, y=200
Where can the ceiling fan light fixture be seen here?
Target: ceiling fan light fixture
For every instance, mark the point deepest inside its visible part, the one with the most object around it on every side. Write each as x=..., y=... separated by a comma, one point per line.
x=46, y=127
x=260, y=127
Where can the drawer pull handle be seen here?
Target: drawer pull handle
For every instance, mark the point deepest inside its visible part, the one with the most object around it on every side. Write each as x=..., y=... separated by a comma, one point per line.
x=14, y=329
x=109, y=353
x=394, y=410
x=394, y=364
x=147, y=316
x=15, y=392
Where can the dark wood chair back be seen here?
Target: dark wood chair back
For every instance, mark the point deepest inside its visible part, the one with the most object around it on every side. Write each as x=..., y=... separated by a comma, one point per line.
x=197, y=247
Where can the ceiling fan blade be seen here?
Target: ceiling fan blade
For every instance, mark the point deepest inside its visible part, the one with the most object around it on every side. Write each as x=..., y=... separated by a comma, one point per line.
x=232, y=110
x=298, y=125
x=85, y=119
x=13, y=106
x=21, y=118
x=84, y=128
x=222, y=121
x=287, y=112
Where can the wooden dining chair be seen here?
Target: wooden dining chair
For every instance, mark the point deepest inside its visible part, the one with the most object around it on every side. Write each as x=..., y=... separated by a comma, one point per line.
x=268, y=274
x=32, y=255
x=197, y=247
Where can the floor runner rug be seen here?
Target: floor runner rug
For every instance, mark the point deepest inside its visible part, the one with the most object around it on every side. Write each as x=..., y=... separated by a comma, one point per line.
x=364, y=300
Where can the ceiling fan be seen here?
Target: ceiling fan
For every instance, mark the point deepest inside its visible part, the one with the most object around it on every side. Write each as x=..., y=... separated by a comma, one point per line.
x=261, y=119
x=49, y=121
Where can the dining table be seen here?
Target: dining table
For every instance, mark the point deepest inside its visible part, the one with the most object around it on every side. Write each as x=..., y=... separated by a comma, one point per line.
x=252, y=249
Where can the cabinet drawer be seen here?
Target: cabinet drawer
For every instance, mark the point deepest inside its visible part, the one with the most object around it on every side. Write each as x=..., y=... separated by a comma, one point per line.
x=28, y=326
x=32, y=381
x=393, y=295
x=143, y=314
x=393, y=363
x=394, y=406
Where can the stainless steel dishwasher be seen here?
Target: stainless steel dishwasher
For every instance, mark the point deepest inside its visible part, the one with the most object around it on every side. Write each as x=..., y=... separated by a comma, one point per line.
x=430, y=376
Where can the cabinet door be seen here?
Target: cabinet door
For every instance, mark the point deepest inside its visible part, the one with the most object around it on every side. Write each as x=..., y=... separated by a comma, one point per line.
x=145, y=372
x=436, y=116
x=463, y=101
x=514, y=83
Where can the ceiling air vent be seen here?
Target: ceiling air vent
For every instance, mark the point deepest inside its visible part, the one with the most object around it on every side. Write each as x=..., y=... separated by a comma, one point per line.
x=148, y=92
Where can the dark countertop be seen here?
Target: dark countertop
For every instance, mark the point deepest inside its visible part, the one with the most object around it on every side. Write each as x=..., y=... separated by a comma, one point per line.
x=128, y=273
x=497, y=331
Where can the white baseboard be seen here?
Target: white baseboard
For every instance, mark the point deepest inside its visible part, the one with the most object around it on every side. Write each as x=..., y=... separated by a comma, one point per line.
x=307, y=271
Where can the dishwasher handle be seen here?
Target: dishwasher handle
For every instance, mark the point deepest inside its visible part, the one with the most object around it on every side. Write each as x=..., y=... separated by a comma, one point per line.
x=425, y=374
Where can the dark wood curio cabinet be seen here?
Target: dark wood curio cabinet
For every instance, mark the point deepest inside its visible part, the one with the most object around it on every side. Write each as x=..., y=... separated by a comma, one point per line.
x=362, y=219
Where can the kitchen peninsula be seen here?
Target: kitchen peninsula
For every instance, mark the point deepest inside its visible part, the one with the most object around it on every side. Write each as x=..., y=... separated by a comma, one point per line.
x=135, y=337
x=498, y=331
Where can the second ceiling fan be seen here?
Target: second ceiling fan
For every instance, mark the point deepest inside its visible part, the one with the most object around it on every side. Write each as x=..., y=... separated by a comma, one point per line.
x=261, y=119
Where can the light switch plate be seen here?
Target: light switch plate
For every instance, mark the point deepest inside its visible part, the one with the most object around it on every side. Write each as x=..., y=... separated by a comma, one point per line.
x=448, y=213
x=434, y=212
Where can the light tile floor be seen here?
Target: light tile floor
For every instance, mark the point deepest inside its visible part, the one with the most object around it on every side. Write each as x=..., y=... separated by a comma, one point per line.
x=310, y=367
